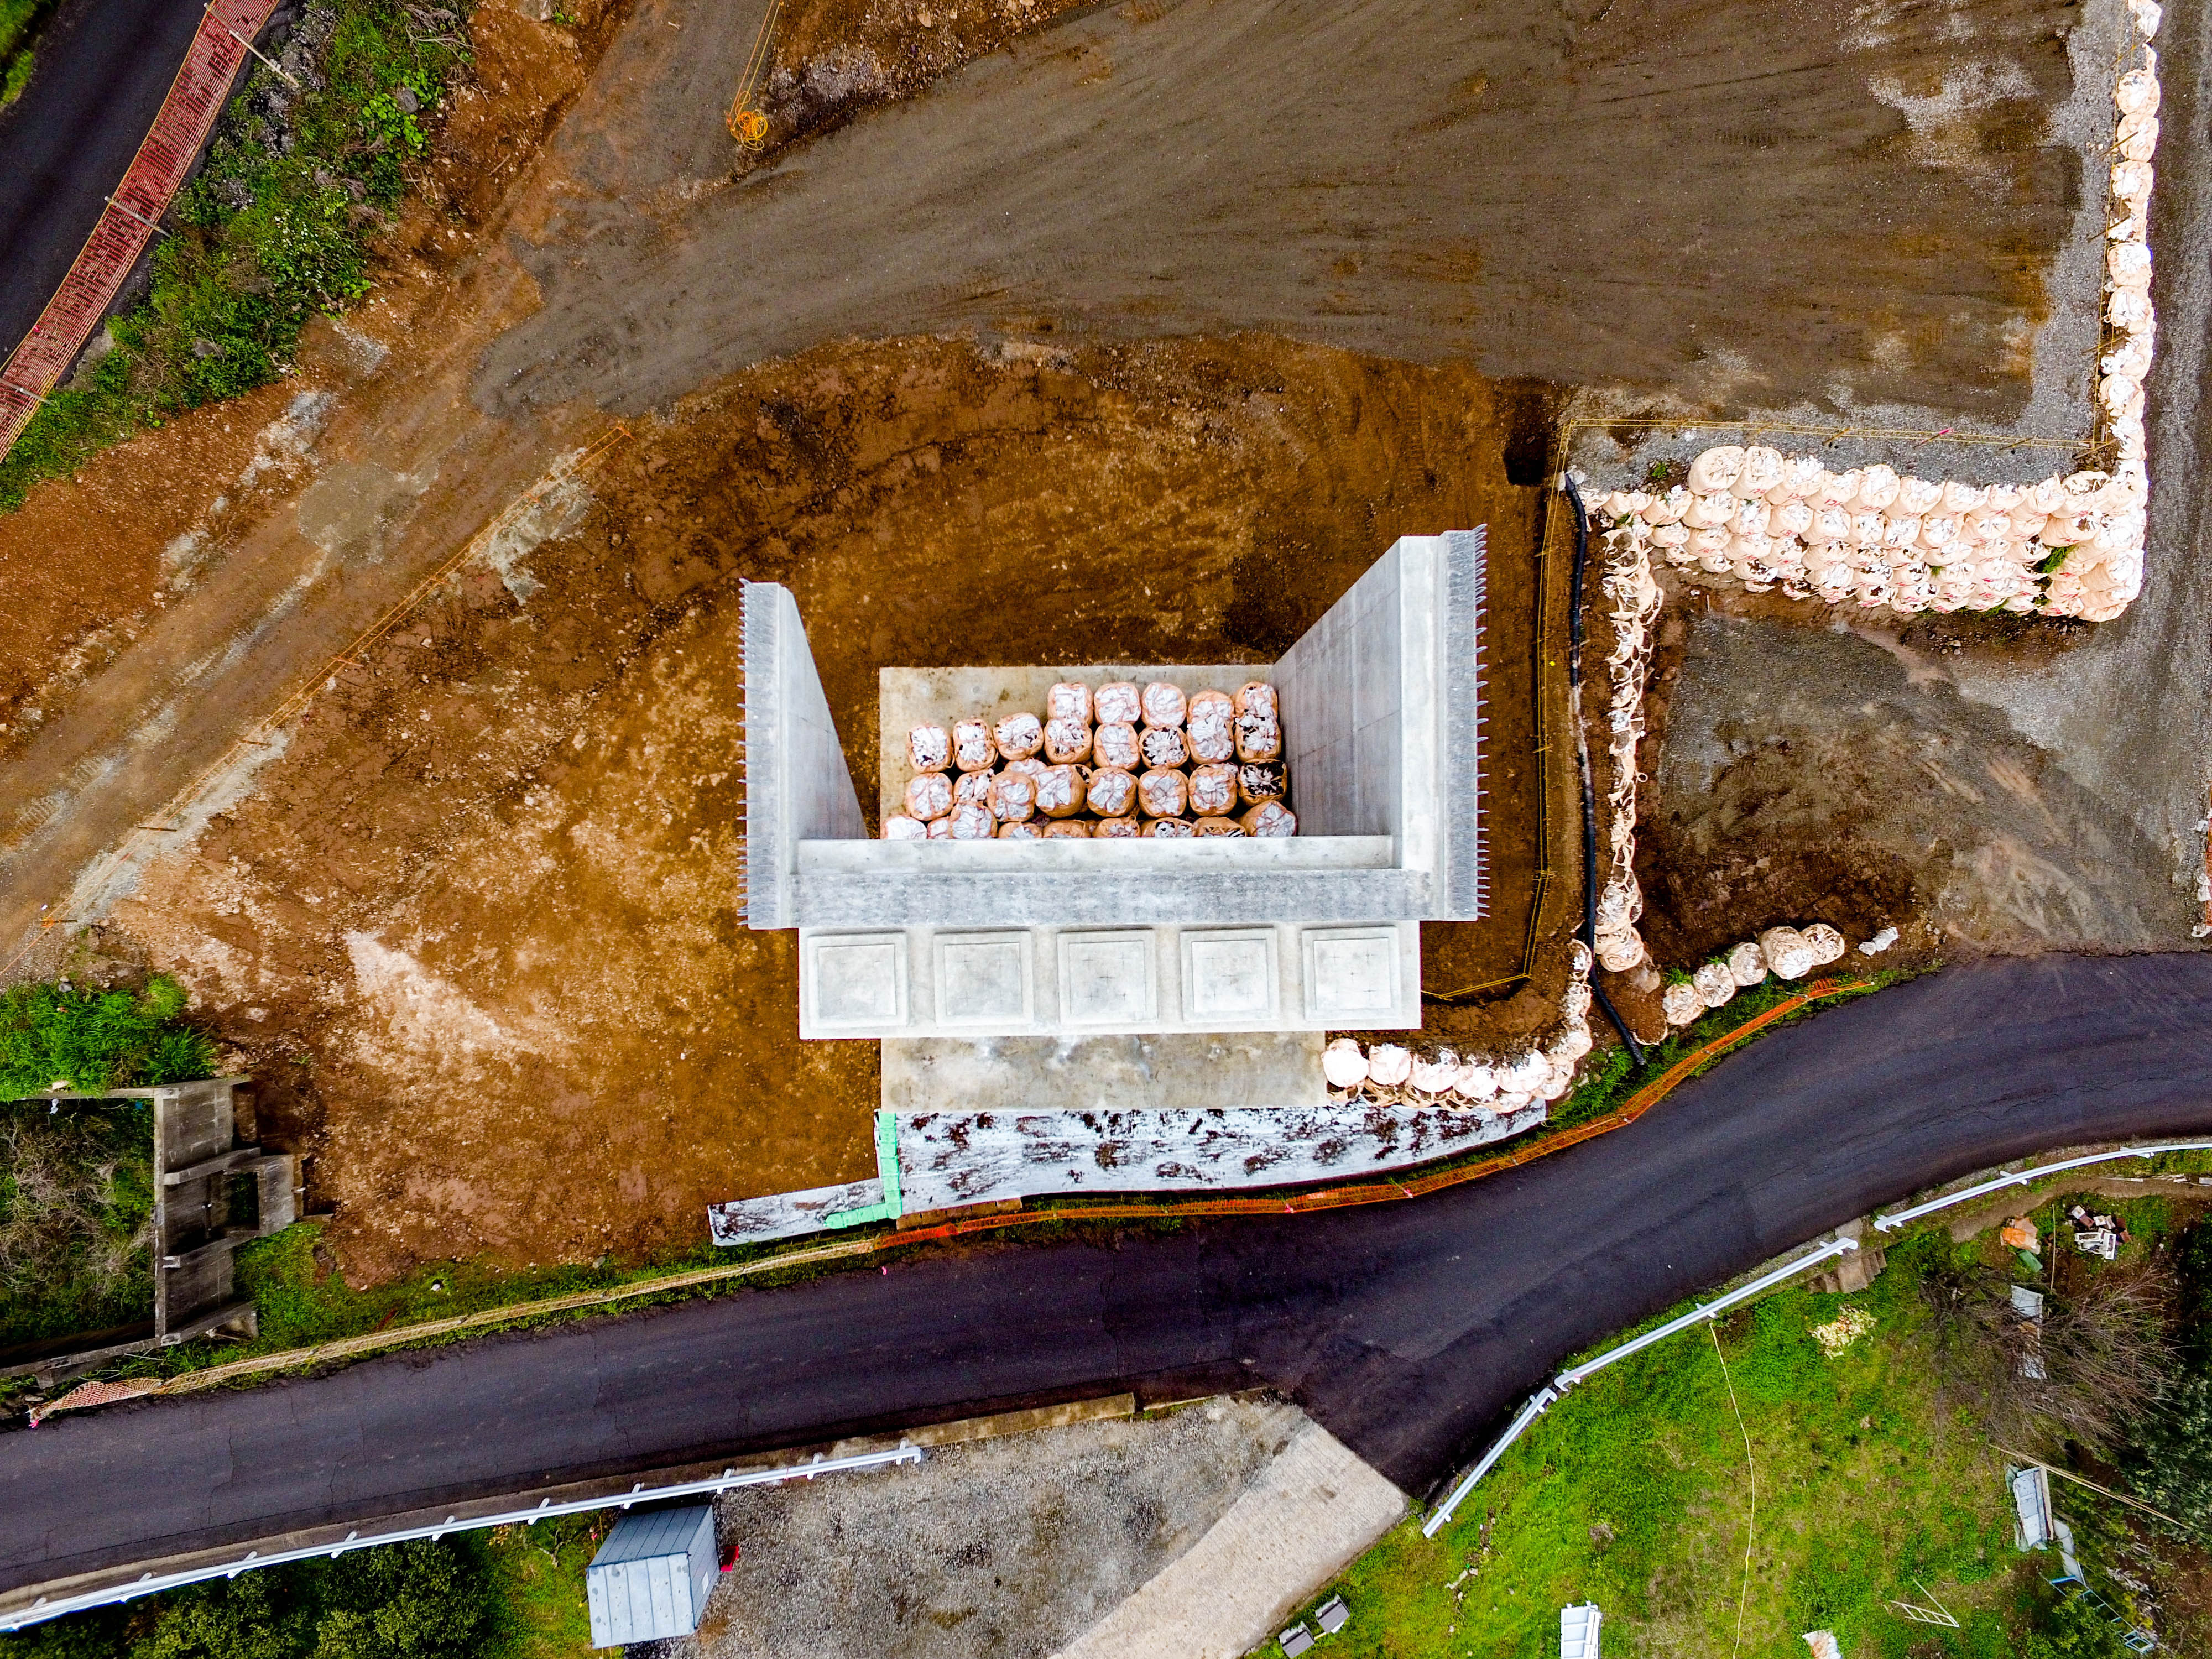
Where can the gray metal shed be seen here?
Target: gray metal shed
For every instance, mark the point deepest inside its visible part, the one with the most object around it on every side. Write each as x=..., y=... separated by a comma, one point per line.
x=651, y=1577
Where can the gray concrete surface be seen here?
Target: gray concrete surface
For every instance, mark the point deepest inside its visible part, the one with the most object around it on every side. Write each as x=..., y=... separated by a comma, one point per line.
x=1102, y=1073
x=1863, y=206
x=1004, y=1549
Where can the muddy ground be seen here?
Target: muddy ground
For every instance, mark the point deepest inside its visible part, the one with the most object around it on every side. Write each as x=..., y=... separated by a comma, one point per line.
x=475, y=929
x=478, y=914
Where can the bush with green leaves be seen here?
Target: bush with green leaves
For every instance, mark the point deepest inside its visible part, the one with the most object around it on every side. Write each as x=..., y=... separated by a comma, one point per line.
x=424, y=1600
x=90, y=1039
x=2170, y=1461
x=273, y=229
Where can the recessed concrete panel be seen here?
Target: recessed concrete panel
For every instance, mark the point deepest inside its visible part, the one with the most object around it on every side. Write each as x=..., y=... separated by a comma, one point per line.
x=1229, y=978
x=1352, y=975
x=1109, y=981
x=852, y=984
x=984, y=981
x=1197, y=1070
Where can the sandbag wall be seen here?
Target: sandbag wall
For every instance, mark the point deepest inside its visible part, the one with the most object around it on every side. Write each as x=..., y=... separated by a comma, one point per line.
x=1112, y=764
x=2067, y=545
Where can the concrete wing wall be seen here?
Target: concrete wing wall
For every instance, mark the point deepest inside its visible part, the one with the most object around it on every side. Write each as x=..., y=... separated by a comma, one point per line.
x=1382, y=713
x=797, y=784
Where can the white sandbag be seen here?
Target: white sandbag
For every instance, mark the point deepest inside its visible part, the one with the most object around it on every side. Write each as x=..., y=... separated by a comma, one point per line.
x=2142, y=143
x=2127, y=265
x=1826, y=944
x=1715, y=511
x=1878, y=488
x=1762, y=472
x=1213, y=791
x=1523, y=1072
x=1164, y=704
x=1477, y=1082
x=1111, y=792
x=1013, y=798
x=1262, y=780
x=1801, y=477
x=1068, y=701
x=1435, y=1077
x=1170, y=828
x=1117, y=828
x=1343, y=1065
x=1745, y=964
x=1061, y=793
x=1270, y=820
x=972, y=789
x=1682, y=1004
x=1018, y=736
x=973, y=747
x=1668, y=509
x=1916, y=497
x=2128, y=308
x=941, y=828
x=1957, y=500
x=1786, y=952
x=1257, y=698
x=1389, y=1066
x=1217, y=824
x=1617, y=953
x=1714, y=983
x=928, y=795
x=1752, y=518
x=2132, y=181
x=1211, y=727
x=1066, y=741
x=900, y=827
x=1717, y=469
x=1117, y=703
x=1115, y=743
x=1836, y=489
x=1259, y=737
x=1020, y=830
x=1072, y=828
x=972, y=821
x=928, y=748
x=1163, y=793
x=1163, y=745
x=2136, y=93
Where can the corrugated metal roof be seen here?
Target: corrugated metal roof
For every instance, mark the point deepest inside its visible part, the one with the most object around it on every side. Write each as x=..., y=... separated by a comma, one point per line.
x=654, y=1532
x=651, y=1578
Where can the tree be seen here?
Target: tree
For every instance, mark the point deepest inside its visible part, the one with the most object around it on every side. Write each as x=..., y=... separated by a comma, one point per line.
x=422, y=1600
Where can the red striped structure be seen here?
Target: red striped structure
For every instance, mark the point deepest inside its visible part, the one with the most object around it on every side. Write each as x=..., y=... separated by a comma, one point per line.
x=155, y=175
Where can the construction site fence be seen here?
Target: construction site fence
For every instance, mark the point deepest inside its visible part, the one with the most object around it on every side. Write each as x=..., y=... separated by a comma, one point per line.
x=133, y=213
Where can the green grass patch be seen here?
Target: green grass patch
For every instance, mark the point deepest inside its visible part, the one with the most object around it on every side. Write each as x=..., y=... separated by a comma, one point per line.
x=19, y=23
x=87, y=1039
x=76, y=1218
x=274, y=229
x=1634, y=1492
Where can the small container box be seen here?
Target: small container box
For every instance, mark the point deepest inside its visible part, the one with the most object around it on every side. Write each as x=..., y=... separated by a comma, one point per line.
x=651, y=1578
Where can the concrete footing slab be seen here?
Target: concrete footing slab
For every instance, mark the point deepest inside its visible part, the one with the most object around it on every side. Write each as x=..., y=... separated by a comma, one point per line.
x=1101, y=1074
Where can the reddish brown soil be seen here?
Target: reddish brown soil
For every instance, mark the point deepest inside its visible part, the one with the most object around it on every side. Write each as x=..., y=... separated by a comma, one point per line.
x=478, y=928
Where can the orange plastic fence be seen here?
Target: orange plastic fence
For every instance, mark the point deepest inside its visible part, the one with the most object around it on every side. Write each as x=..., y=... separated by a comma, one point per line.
x=1386, y=1192
x=155, y=175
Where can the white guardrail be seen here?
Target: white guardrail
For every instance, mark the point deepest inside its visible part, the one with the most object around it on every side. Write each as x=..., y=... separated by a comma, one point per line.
x=149, y=1583
x=1550, y=1393
x=1545, y=1397
x=2027, y=1177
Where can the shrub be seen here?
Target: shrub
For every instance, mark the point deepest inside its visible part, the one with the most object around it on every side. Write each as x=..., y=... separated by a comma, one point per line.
x=96, y=1040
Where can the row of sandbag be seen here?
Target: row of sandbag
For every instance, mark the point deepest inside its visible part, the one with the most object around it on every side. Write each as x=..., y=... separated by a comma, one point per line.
x=2069, y=545
x=1784, y=952
x=1211, y=765
x=1502, y=1084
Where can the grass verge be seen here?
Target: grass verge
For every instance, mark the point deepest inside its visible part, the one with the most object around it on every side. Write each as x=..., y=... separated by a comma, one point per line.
x=274, y=228
x=1871, y=1489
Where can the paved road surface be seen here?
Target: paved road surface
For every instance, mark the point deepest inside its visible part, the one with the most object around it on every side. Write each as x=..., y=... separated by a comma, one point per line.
x=103, y=68
x=1407, y=1329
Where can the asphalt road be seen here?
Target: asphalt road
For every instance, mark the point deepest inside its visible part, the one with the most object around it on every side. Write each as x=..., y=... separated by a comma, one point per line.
x=1408, y=1329
x=102, y=69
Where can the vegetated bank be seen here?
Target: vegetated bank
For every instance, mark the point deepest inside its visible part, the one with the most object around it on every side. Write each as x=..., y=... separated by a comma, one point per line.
x=76, y=1193
x=276, y=227
x=19, y=23
x=1819, y=1462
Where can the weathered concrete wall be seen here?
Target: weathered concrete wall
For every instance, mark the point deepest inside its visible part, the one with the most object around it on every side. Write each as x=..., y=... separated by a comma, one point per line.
x=797, y=786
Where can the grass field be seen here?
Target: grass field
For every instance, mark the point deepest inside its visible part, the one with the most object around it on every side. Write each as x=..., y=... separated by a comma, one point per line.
x=1736, y=1486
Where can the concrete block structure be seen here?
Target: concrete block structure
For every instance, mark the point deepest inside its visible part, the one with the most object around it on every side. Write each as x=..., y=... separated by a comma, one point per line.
x=211, y=1193
x=1381, y=710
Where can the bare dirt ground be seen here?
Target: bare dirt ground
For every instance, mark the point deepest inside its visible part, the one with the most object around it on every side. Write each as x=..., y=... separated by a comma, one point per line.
x=478, y=906
x=476, y=926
